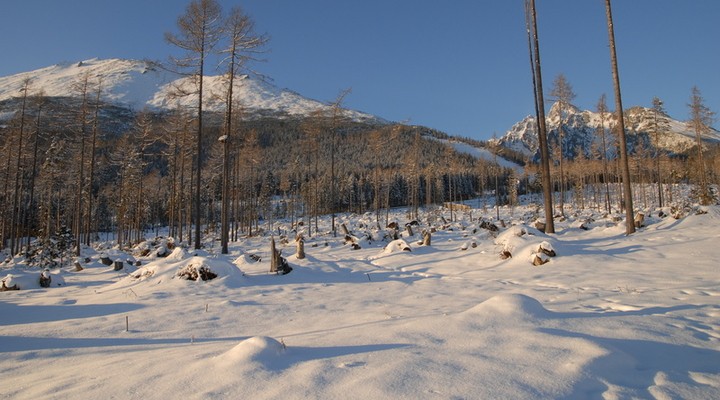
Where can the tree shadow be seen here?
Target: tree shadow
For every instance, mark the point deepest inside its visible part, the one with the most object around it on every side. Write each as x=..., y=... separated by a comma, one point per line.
x=634, y=364
x=13, y=314
x=27, y=343
x=296, y=355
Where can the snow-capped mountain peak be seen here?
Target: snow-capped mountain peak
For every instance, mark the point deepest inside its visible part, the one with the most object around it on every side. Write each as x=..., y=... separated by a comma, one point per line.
x=580, y=132
x=144, y=84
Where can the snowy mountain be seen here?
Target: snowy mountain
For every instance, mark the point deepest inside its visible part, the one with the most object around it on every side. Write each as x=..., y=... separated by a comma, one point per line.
x=140, y=84
x=581, y=132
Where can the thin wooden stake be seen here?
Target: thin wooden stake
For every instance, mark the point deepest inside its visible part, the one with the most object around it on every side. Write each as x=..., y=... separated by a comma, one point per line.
x=127, y=324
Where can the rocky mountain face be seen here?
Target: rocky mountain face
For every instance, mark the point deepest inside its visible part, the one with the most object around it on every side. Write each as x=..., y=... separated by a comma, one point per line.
x=582, y=132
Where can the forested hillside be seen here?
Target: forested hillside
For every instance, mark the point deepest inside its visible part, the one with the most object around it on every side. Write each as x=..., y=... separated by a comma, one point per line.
x=83, y=166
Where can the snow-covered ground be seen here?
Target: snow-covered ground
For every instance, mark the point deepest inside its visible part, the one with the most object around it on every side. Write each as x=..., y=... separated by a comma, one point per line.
x=609, y=316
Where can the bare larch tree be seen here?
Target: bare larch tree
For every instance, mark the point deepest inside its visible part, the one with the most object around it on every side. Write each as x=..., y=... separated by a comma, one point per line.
x=199, y=31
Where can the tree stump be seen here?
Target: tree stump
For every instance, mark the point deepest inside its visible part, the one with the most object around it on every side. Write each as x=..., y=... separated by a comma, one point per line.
x=45, y=279
x=78, y=267
x=639, y=219
x=409, y=230
x=117, y=265
x=547, y=249
x=539, y=259
x=300, y=253
x=278, y=264
x=427, y=238
x=344, y=228
x=274, y=256
x=106, y=260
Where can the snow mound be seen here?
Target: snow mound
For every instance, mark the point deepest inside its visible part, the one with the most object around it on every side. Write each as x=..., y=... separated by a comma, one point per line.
x=510, y=305
x=193, y=269
x=261, y=350
x=30, y=279
x=524, y=242
x=177, y=254
x=247, y=259
x=396, y=246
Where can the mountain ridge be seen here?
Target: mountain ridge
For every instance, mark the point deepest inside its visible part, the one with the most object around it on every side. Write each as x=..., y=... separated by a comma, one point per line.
x=143, y=84
x=581, y=132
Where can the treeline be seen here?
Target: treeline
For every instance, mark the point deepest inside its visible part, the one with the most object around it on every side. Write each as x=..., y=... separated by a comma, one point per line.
x=81, y=166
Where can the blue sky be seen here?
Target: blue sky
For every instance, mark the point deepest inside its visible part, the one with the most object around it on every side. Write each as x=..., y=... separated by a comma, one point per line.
x=458, y=66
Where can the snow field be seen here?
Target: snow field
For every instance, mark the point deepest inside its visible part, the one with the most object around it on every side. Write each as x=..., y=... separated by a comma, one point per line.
x=610, y=316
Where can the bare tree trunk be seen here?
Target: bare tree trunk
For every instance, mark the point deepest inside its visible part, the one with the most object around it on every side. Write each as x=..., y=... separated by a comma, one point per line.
x=33, y=172
x=88, y=225
x=540, y=115
x=627, y=188
x=14, y=228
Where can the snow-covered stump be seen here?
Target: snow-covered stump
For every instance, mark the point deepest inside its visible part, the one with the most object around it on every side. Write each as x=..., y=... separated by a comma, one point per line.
x=408, y=229
x=538, y=259
x=78, y=266
x=278, y=264
x=105, y=260
x=547, y=249
x=344, y=228
x=5, y=288
x=397, y=245
x=427, y=238
x=117, y=265
x=300, y=250
x=542, y=254
x=639, y=219
x=468, y=245
x=45, y=278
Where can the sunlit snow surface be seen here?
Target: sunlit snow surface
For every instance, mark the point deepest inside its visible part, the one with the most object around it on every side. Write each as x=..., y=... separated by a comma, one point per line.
x=610, y=316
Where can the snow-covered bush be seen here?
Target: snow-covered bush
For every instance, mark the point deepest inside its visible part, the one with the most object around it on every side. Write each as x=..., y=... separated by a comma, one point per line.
x=194, y=272
x=52, y=252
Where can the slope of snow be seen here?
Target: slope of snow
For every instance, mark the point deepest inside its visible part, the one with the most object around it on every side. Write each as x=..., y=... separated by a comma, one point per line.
x=482, y=154
x=140, y=84
x=123, y=81
x=610, y=316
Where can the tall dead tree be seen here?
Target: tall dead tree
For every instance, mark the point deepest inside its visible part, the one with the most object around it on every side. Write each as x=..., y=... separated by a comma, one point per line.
x=243, y=44
x=534, y=47
x=625, y=166
x=15, y=215
x=93, y=145
x=82, y=88
x=660, y=126
x=563, y=93
x=701, y=119
x=199, y=31
x=602, y=109
x=30, y=218
x=336, y=108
